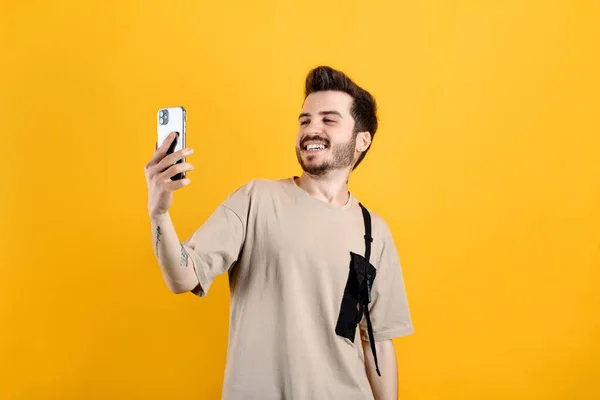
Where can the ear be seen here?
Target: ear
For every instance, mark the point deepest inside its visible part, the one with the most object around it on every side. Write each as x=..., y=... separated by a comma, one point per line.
x=363, y=141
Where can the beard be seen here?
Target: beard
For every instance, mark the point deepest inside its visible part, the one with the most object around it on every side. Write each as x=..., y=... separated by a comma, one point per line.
x=342, y=156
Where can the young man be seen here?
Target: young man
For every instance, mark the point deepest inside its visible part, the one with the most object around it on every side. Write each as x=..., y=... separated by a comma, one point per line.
x=296, y=253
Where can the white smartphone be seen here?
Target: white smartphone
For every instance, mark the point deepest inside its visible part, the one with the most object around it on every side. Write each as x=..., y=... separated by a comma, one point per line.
x=172, y=119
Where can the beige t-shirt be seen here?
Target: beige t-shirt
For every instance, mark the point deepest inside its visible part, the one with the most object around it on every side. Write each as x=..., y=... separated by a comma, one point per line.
x=287, y=255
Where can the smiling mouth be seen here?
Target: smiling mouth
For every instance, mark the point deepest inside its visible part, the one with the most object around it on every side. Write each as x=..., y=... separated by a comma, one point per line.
x=314, y=147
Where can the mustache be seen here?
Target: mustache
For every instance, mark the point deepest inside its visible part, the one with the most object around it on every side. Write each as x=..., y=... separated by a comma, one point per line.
x=314, y=138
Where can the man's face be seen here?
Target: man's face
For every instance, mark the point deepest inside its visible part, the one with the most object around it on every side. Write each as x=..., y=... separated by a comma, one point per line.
x=325, y=140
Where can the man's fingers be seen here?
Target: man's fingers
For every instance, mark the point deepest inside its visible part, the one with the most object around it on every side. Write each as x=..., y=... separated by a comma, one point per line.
x=176, y=169
x=160, y=163
x=178, y=184
x=173, y=158
x=161, y=151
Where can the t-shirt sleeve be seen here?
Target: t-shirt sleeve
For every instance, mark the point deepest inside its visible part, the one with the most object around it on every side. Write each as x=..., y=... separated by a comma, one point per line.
x=215, y=246
x=389, y=310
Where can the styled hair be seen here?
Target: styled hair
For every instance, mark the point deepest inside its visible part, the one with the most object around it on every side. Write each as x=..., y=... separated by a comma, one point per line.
x=364, y=107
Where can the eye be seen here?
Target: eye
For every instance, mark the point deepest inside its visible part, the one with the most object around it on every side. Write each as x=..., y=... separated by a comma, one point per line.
x=328, y=121
x=305, y=122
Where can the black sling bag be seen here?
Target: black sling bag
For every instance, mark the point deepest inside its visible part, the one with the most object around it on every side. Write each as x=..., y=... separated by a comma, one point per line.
x=357, y=294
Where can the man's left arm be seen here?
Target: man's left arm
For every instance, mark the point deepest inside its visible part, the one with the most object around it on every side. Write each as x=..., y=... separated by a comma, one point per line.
x=390, y=318
x=384, y=387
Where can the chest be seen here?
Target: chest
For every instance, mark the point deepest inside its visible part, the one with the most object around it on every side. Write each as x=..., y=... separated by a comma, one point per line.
x=312, y=242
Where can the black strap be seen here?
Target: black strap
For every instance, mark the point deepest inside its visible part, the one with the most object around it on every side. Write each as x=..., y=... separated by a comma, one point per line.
x=367, y=299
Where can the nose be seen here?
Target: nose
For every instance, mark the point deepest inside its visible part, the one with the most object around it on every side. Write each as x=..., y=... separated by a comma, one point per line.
x=314, y=128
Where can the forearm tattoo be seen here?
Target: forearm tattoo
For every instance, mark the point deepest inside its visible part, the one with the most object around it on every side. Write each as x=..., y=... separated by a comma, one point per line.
x=158, y=233
x=184, y=256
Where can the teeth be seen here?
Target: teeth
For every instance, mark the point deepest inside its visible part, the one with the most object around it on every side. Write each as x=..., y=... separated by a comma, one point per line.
x=315, y=146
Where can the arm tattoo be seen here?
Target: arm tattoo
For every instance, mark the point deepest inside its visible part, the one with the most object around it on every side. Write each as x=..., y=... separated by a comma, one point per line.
x=158, y=233
x=184, y=256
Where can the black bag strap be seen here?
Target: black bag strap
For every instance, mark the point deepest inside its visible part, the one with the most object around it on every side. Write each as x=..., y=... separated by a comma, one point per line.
x=368, y=283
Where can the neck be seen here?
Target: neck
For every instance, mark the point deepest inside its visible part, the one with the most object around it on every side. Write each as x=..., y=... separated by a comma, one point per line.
x=331, y=188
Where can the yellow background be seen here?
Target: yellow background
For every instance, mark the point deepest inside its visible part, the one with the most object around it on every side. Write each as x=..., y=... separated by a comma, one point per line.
x=486, y=167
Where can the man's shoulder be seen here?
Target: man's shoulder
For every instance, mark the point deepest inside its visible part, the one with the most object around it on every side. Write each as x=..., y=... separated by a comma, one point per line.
x=259, y=186
x=378, y=222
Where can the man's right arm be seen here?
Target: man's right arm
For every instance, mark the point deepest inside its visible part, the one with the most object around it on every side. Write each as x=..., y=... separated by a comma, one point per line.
x=173, y=258
x=191, y=266
x=175, y=262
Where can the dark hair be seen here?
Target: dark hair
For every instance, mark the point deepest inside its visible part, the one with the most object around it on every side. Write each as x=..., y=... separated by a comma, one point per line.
x=364, y=107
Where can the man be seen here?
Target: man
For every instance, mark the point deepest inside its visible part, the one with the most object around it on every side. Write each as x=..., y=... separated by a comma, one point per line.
x=296, y=254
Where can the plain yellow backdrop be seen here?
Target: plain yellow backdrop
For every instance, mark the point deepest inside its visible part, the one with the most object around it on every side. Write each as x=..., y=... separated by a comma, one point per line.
x=486, y=167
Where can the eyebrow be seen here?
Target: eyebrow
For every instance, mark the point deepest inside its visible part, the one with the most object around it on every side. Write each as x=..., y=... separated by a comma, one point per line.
x=322, y=113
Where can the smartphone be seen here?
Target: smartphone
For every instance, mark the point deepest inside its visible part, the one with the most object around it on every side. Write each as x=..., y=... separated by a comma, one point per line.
x=172, y=119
